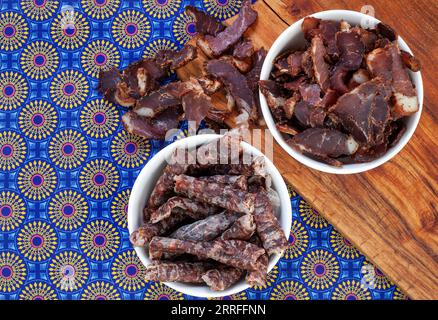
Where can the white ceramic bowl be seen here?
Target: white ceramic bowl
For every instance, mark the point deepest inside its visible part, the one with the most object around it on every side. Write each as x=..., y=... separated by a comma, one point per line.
x=146, y=181
x=292, y=38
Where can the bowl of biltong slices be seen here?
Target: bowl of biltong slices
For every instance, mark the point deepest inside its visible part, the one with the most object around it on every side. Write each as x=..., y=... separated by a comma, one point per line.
x=341, y=92
x=209, y=215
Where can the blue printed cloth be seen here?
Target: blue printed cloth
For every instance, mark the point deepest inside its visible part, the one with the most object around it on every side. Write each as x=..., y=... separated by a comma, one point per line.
x=67, y=166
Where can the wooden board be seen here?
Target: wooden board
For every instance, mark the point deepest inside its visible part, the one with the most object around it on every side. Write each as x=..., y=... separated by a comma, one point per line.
x=389, y=213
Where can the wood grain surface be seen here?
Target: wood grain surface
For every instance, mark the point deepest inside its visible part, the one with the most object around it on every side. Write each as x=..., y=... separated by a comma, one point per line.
x=389, y=213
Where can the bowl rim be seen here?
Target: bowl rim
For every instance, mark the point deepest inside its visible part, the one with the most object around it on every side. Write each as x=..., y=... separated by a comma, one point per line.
x=281, y=43
x=144, y=179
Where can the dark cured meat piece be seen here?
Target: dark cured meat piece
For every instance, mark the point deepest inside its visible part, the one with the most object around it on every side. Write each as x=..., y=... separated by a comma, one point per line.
x=176, y=59
x=368, y=38
x=243, y=49
x=386, y=31
x=226, y=150
x=308, y=115
x=351, y=50
x=281, y=64
x=253, y=76
x=152, y=128
x=241, y=65
x=108, y=81
x=242, y=229
x=151, y=105
x=295, y=84
x=329, y=99
x=398, y=129
x=311, y=93
x=164, y=187
x=207, y=229
x=324, y=143
x=217, y=118
x=239, y=182
x=365, y=112
x=268, y=227
x=369, y=154
x=236, y=84
x=289, y=105
x=285, y=128
x=190, y=94
x=204, y=23
x=387, y=63
x=294, y=61
x=320, y=67
x=222, y=169
x=359, y=77
x=222, y=196
x=235, y=253
x=146, y=232
x=220, y=279
x=307, y=63
x=142, y=77
x=274, y=98
x=329, y=29
x=258, y=277
x=196, y=105
x=188, y=272
x=410, y=61
x=225, y=39
x=210, y=86
x=310, y=27
x=379, y=63
x=192, y=208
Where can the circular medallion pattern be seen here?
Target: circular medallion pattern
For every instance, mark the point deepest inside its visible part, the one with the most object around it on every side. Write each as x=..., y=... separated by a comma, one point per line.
x=289, y=290
x=222, y=9
x=39, y=60
x=14, y=90
x=69, y=89
x=128, y=272
x=100, y=9
x=350, y=290
x=131, y=29
x=68, y=149
x=319, y=269
x=13, y=150
x=38, y=291
x=100, y=290
x=14, y=31
x=158, y=291
x=68, y=271
x=99, y=55
x=68, y=210
x=70, y=30
x=99, y=179
x=12, y=211
x=13, y=272
x=38, y=120
x=130, y=151
x=161, y=9
x=119, y=208
x=37, y=241
x=99, y=118
x=99, y=240
x=37, y=180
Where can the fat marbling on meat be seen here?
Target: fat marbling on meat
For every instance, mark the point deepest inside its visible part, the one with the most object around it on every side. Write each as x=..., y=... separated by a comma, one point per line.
x=365, y=112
